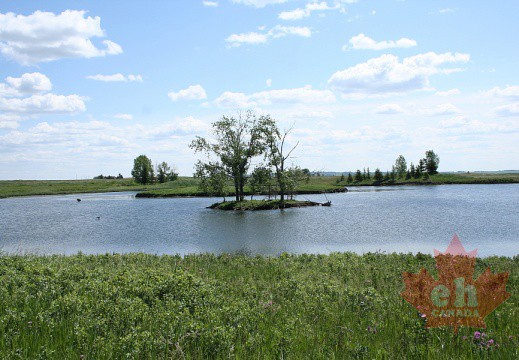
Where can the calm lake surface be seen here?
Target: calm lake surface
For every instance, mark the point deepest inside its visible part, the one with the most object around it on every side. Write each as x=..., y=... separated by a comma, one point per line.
x=385, y=219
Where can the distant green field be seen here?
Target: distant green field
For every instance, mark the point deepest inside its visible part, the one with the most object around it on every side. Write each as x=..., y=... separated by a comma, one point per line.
x=138, y=306
x=9, y=188
x=187, y=186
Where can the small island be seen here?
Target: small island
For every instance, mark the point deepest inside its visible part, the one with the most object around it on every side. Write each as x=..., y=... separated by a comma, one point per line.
x=264, y=204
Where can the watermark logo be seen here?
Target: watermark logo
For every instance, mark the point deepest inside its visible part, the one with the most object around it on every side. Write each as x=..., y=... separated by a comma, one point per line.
x=455, y=299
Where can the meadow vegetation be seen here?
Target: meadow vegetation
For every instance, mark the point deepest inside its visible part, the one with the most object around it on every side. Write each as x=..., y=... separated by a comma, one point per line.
x=144, y=306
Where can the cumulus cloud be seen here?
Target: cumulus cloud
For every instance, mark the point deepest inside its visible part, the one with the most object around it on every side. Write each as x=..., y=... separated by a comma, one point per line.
x=116, y=78
x=461, y=125
x=193, y=92
x=278, y=31
x=27, y=84
x=363, y=42
x=510, y=92
x=508, y=110
x=444, y=109
x=210, y=3
x=73, y=134
x=43, y=104
x=29, y=94
x=389, y=109
x=234, y=100
x=45, y=36
x=305, y=95
x=9, y=121
x=179, y=127
x=387, y=74
x=448, y=92
x=301, y=13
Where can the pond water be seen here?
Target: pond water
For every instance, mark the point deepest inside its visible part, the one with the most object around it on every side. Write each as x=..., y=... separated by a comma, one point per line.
x=385, y=219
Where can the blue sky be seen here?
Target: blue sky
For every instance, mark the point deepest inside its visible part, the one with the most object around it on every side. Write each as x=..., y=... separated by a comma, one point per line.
x=86, y=86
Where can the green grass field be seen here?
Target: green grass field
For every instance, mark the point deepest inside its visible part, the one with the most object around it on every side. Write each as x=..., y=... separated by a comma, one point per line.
x=137, y=306
x=187, y=186
x=9, y=188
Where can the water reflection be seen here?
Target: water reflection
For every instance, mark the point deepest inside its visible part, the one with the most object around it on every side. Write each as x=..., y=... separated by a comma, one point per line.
x=396, y=219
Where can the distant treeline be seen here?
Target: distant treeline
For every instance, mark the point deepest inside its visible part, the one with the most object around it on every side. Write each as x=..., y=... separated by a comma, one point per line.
x=109, y=177
x=425, y=167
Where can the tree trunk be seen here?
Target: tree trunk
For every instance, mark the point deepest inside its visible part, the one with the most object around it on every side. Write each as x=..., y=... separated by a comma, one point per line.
x=236, y=189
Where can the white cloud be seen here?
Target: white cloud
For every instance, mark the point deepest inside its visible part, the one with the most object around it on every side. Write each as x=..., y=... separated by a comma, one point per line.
x=511, y=92
x=123, y=116
x=41, y=104
x=9, y=121
x=389, y=109
x=508, y=110
x=456, y=121
x=29, y=94
x=258, y=3
x=252, y=38
x=5, y=124
x=179, y=127
x=304, y=95
x=301, y=13
x=363, y=42
x=268, y=82
x=193, y=92
x=448, y=92
x=310, y=114
x=210, y=3
x=387, y=75
x=233, y=100
x=116, y=78
x=45, y=36
x=297, y=95
x=29, y=83
x=75, y=135
x=444, y=109
x=461, y=125
x=278, y=31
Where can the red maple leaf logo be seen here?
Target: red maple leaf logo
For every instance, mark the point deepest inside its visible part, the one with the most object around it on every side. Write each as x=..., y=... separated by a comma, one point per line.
x=455, y=299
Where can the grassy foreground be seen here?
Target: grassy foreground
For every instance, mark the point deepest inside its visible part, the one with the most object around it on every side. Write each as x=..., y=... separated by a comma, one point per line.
x=205, y=306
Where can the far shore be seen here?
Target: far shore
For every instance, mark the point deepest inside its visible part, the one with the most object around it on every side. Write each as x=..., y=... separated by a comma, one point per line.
x=188, y=186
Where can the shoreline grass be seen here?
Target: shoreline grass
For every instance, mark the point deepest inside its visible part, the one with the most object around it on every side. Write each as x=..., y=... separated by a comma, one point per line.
x=188, y=186
x=144, y=306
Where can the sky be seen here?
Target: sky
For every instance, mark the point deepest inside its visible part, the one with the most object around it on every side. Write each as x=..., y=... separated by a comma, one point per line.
x=87, y=86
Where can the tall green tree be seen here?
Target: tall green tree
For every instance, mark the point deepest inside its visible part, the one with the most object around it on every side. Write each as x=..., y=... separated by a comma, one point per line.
x=165, y=173
x=238, y=140
x=350, y=178
x=142, y=170
x=400, y=166
x=260, y=178
x=412, y=170
x=358, y=176
x=277, y=153
x=432, y=161
x=213, y=178
x=294, y=178
x=378, y=175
